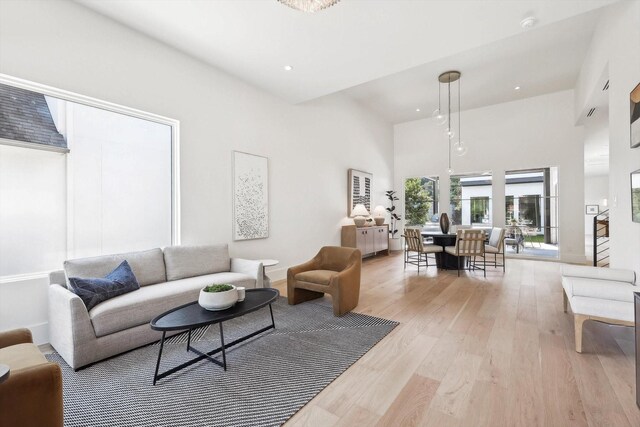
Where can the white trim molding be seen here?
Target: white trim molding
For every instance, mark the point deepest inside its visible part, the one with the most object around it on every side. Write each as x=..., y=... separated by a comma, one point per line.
x=116, y=108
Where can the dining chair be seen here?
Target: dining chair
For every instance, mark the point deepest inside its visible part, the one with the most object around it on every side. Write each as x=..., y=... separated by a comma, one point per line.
x=495, y=246
x=469, y=243
x=416, y=251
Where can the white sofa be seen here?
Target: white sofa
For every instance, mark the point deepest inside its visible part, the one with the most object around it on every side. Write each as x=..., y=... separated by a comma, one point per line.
x=601, y=294
x=167, y=279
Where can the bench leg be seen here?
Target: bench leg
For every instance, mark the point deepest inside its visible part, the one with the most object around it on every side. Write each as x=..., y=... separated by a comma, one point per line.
x=578, y=321
x=565, y=300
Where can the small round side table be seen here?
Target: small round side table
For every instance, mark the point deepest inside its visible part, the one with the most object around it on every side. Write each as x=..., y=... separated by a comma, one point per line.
x=4, y=373
x=267, y=263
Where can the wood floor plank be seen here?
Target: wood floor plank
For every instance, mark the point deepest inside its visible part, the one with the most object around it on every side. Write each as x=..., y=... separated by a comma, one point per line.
x=410, y=407
x=471, y=351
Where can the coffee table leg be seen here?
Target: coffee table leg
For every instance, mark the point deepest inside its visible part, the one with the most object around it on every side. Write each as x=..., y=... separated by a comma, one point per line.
x=189, y=341
x=155, y=377
x=273, y=323
x=224, y=355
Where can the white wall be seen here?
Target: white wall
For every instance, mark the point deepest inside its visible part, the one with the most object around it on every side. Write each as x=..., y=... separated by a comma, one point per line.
x=596, y=189
x=530, y=133
x=616, y=48
x=310, y=146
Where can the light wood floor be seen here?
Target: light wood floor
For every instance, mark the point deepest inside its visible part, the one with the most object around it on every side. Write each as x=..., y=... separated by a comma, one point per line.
x=471, y=351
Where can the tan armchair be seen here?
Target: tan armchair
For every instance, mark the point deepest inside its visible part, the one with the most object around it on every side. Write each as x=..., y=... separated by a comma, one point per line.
x=32, y=395
x=334, y=271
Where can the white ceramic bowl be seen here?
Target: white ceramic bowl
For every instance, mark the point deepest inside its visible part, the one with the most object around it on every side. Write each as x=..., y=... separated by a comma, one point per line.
x=215, y=301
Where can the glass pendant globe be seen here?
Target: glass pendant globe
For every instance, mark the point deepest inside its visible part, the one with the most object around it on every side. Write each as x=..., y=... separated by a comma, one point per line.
x=460, y=148
x=439, y=117
x=449, y=133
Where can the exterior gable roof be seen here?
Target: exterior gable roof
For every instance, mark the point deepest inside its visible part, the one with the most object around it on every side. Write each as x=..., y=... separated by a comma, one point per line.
x=25, y=117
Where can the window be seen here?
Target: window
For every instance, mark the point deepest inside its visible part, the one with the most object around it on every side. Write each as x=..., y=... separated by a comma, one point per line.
x=470, y=199
x=421, y=201
x=78, y=180
x=531, y=207
x=479, y=209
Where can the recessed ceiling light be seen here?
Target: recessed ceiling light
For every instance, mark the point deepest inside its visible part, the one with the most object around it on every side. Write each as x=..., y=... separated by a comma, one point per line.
x=517, y=88
x=528, y=22
x=288, y=68
x=417, y=110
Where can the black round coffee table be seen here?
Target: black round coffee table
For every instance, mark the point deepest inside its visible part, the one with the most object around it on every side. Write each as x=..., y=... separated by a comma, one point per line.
x=191, y=316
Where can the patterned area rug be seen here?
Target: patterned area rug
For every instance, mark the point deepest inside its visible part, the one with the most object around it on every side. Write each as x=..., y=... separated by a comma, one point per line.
x=269, y=377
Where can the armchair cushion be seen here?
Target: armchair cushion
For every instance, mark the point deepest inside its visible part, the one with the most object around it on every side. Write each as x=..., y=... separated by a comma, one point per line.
x=322, y=277
x=21, y=356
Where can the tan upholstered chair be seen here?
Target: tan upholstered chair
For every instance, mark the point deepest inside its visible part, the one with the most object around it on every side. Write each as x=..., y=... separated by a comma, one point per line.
x=32, y=395
x=334, y=271
x=496, y=246
x=469, y=243
x=415, y=251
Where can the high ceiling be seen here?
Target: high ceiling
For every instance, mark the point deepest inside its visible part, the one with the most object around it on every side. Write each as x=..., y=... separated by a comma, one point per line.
x=539, y=61
x=388, y=52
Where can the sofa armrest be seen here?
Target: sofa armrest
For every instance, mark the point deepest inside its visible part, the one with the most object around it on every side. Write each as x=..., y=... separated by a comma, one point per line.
x=613, y=274
x=58, y=277
x=250, y=267
x=16, y=336
x=69, y=323
x=33, y=396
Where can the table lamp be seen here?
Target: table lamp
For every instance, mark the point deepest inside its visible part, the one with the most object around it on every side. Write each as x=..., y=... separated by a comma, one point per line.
x=379, y=214
x=359, y=214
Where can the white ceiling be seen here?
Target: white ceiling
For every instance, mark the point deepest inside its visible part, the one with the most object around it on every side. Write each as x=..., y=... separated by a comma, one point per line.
x=357, y=41
x=539, y=61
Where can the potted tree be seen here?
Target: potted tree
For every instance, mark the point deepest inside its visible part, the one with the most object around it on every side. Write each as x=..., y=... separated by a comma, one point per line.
x=394, y=237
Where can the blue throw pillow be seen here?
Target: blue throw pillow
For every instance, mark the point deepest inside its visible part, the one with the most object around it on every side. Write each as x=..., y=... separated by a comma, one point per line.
x=93, y=291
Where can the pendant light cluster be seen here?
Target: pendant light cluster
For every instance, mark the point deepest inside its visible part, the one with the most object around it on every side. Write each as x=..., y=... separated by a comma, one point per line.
x=443, y=117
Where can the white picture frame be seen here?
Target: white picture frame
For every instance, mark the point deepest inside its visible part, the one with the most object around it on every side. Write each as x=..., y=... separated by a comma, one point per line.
x=250, y=196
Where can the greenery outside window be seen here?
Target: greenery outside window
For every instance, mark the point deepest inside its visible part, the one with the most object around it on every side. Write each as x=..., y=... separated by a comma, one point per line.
x=421, y=201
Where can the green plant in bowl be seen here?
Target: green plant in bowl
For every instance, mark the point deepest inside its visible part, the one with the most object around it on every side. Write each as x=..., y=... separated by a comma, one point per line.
x=218, y=288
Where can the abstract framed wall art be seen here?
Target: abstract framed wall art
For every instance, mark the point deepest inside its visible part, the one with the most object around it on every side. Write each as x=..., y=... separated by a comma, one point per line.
x=635, y=116
x=360, y=184
x=250, y=196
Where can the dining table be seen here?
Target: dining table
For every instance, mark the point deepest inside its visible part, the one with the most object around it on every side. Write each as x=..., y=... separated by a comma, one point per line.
x=445, y=260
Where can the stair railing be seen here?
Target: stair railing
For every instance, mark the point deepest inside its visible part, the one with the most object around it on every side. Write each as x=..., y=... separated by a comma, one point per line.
x=601, y=239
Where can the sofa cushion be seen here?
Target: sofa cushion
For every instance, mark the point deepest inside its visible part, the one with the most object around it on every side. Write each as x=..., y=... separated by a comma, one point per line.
x=321, y=277
x=148, y=266
x=93, y=291
x=191, y=261
x=139, y=307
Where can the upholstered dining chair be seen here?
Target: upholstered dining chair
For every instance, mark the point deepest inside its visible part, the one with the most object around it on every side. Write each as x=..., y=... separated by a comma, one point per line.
x=496, y=246
x=416, y=252
x=32, y=394
x=335, y=271
x=469, y=243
